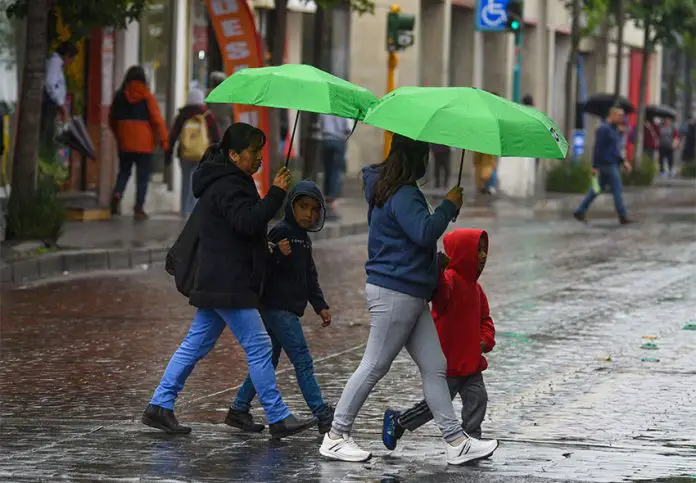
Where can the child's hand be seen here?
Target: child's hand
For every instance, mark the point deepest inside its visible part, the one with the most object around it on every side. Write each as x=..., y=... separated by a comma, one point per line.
x=484, y=347
x=443, y=260
x=325, y=317
x=284, y=247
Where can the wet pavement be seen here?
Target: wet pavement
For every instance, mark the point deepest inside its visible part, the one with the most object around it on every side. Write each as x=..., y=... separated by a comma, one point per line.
x=570, y=396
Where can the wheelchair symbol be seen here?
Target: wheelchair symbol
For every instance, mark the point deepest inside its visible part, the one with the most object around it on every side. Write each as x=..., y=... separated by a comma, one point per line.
x=493, y=14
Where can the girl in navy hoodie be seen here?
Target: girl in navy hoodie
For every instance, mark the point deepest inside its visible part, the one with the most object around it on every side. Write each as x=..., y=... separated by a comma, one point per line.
x=402, y=274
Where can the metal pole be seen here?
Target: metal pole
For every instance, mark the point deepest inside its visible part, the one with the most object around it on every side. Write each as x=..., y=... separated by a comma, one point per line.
x=517, y=69
x=392, y=65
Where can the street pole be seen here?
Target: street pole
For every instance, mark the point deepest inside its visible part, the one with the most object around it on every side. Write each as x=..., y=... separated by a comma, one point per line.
x=392, y=65
x=517, y=69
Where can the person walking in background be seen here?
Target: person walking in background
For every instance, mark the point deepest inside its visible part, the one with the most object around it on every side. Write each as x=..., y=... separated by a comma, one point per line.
x=485, y=172
x=689, y=150
x=55, y=94
x=669, y=141
x=194, y=129
x=136, y=122
x=443, y=166
x=334, y=134
x=606, y=162
x=224, y=115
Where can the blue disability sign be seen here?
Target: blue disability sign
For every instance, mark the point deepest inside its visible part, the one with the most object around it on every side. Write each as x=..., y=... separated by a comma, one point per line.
x=490, y=15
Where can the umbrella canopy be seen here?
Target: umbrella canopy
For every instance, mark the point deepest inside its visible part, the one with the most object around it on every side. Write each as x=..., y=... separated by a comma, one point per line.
x=295, y=86
x=75, y=136
x=468, y=118
x=599, y=104
x=661, y=111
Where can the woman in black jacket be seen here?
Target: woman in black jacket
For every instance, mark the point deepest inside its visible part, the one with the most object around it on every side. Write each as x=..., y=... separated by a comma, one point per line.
x=232, y=255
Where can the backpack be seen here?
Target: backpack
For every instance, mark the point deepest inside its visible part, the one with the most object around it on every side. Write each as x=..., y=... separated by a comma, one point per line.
x=194, y=138
x=666, y=137
x=182, y=257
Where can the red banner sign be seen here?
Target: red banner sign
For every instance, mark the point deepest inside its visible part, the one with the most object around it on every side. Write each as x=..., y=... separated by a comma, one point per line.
x=236, y=35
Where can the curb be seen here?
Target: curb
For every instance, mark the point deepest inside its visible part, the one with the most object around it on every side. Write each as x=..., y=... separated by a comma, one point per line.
x=57, y=264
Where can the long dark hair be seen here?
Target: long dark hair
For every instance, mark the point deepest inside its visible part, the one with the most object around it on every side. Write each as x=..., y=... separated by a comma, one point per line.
x=238, y=137
x=134, y=73
x=405, y=165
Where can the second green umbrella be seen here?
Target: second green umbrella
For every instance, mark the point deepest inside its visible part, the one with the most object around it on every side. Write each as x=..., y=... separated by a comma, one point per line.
x=468, y=118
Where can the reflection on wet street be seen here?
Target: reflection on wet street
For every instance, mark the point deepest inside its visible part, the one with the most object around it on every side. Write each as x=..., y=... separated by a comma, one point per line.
x=576, y=391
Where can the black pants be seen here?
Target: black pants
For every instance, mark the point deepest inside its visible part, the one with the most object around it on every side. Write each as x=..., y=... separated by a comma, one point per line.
x=442, y=166
x=666, y=157
x=471, y=389
x=47, y=130
x=143, y=164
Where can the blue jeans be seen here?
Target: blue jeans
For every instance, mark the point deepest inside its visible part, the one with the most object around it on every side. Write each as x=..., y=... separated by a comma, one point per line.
x=286, y=334
x=333, y=153
x=248, y=328
x=493, y=180
x=188, y=201
x=143, y=164
x=609, y=176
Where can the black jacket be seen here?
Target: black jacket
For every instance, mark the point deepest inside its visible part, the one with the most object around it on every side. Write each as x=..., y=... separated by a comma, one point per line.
x=292, y=281
x=233, y=249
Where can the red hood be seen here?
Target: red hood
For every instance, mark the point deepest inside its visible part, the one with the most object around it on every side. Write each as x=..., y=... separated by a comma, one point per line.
x=461, y=246
x=136, y=91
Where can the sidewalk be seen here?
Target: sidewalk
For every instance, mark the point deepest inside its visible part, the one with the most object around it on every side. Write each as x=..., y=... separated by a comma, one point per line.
x=122, y=243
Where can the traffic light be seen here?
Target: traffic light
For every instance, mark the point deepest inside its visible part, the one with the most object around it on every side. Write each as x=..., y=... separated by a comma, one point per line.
x=513, y=12
x=399, y=29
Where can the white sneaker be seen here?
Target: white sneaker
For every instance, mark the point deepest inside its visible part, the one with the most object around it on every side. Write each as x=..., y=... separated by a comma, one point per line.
x=471, y=449
x=344, y=449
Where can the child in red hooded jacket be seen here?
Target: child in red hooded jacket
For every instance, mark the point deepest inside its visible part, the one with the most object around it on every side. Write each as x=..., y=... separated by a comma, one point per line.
x=462, y=317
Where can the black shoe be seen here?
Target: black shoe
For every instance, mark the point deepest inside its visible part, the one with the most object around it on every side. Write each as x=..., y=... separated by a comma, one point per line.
x=289, y=426
x=115, y=205
x=324, y=419
x=164, y=419
x=243, y=420
x=624, y=220
x=580, y=217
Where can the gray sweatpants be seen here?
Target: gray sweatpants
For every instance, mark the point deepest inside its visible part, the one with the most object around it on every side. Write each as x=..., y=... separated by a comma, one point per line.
x=398, y=320
x=471, y=389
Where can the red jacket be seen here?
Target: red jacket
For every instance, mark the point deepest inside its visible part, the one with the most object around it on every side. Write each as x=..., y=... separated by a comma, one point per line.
x=460, y=307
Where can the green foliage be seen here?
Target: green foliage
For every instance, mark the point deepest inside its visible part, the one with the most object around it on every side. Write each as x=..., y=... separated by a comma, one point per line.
x=688, y=170
x=37, y=217
x=569, y=177
x=358, y=6
x=52, y=169
x=669, y=20
x=82, y=16
x=642, y=175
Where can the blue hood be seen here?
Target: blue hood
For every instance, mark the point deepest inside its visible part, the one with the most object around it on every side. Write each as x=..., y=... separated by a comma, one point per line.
x=370, y=176
x=305, y=188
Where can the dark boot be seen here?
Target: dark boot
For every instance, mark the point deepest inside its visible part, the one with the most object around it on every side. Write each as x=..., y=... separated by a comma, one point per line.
x=140, y=215
x=289, y=426
x=324, y=419
x=116, y=204
x=580, y=217
x=624, y=220
x=160, y=418
x=243, y=420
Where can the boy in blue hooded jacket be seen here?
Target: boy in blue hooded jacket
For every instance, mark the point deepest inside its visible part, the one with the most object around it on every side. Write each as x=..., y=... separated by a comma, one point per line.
x=291, y=281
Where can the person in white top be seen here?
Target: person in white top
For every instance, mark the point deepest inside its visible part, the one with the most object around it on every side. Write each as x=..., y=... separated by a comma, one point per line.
x=55, y=91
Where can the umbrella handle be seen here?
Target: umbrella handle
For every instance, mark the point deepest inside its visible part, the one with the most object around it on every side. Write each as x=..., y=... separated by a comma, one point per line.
x=352, y=130
x=459, y=179
x=292, y=138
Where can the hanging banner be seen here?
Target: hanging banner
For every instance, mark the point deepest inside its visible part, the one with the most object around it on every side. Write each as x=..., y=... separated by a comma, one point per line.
x=235, y=31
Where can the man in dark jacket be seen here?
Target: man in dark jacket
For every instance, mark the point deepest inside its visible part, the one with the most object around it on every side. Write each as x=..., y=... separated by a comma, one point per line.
x=606, y=162
x=291, y=282
x=232, y=254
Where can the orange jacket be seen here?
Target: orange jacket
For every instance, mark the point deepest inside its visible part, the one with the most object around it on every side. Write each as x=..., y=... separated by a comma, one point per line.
x=136, y=121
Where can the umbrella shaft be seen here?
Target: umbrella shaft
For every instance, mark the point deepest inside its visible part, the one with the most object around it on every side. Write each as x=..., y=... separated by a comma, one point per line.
x=292, y=138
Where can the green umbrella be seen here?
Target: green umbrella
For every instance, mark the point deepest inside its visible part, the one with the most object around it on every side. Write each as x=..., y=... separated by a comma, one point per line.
x=468, y=118
x=295, y=86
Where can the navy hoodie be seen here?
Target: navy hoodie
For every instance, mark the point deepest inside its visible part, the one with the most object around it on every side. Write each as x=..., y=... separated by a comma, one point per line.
x=402, y=241
x=292, y=281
